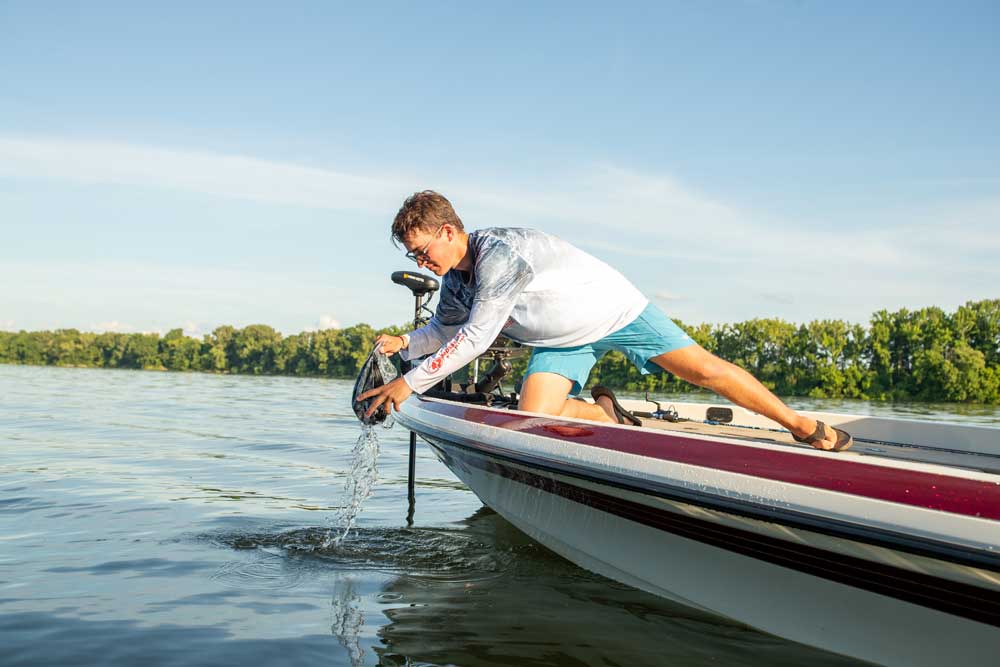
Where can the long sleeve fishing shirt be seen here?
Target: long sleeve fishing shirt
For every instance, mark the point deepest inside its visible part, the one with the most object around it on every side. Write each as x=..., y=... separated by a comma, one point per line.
x=534, y=288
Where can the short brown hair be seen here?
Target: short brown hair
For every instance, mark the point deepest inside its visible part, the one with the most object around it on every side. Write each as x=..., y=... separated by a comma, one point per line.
x=425, y=211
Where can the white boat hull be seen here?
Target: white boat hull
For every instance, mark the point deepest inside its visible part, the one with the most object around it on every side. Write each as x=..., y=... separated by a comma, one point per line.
x=786, y=580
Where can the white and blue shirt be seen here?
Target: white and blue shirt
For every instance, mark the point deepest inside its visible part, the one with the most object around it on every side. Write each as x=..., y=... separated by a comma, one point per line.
x=532, y=287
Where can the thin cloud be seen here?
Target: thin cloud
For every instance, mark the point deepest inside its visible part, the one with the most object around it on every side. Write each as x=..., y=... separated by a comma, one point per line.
x=628, y=211
x=607, y=209
x=329, y=322
x=193, y=329
x=324, y=322
x=775, y=297
x=611, y=198
x=61, y=294
x=114, y=326
x=623, y=210
x=604, y=196
x=230, y=176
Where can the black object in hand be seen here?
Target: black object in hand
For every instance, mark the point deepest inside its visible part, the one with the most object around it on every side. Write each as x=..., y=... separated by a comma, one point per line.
x=376, y=371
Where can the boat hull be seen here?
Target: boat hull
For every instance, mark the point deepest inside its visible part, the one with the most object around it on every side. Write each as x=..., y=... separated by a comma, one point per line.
x=865, y=600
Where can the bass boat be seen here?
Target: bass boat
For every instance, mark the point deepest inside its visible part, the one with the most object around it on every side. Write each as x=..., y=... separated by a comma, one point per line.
x=889, y=552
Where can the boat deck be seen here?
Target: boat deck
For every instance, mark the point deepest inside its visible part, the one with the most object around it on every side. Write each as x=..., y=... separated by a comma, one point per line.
x=901, y=452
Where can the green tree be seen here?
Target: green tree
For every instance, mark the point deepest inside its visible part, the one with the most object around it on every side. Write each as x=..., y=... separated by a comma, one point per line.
x=217, y=352
x=978, y=322
x=142, y=351
x=350, y=349
x=110, y=348
x=180, y=352
x=254, y=348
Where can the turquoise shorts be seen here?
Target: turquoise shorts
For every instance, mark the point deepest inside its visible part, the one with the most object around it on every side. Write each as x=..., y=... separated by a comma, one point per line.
x=647, y=336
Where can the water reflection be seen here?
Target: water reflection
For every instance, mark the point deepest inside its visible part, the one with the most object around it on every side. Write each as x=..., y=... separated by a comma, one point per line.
x=538, y=609
x=348, y=618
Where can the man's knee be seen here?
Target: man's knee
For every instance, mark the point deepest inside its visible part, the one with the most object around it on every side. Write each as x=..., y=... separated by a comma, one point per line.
x=546, y=404
x=544, y=393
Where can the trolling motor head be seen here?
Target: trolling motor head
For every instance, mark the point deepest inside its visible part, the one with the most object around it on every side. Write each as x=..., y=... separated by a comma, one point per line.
x=423, y=288
x=417, y=283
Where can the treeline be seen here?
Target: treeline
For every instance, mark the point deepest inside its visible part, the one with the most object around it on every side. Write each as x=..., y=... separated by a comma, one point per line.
x=926, y=354
x=256, y=350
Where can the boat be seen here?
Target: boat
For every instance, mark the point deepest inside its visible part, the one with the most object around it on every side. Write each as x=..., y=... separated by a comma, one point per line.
x=889, y=552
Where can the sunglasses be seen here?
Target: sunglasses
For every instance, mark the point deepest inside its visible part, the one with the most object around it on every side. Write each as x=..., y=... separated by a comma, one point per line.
x=421, y=255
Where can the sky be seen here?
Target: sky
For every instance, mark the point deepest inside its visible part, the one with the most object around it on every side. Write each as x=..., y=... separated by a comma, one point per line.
x=192, y=164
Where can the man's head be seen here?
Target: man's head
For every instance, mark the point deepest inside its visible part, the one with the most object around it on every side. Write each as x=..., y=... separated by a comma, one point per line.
x=430, y=230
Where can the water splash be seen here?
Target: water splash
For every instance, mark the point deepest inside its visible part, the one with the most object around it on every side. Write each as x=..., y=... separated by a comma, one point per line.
x=360, y=481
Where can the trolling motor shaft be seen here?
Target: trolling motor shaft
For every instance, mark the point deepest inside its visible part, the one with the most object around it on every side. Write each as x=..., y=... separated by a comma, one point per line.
x=422, y=287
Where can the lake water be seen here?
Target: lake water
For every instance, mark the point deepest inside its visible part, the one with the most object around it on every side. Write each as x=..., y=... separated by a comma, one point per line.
x=180, y=519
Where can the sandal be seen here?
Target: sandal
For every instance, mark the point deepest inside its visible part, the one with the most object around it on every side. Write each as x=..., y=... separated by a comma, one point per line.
x=844, y=439
x=621, y=413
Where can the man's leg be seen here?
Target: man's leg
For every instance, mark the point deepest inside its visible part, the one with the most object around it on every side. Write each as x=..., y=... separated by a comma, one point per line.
x=546, y=393
x=698, y=366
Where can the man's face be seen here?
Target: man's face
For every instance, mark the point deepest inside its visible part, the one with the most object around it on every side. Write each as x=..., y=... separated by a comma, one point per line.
x=431, y=249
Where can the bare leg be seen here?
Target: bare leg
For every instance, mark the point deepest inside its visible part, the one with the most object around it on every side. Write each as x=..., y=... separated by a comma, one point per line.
x=546, y=393
x=699, y=366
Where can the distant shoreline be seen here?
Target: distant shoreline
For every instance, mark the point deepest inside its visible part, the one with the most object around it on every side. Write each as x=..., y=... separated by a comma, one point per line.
x=925, y=355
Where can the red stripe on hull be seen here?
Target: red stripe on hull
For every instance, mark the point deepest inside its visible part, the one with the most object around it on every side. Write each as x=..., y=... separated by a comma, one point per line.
x=909, y=487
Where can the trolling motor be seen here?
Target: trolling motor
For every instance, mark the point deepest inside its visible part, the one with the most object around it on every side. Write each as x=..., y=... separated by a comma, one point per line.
x=422, y=287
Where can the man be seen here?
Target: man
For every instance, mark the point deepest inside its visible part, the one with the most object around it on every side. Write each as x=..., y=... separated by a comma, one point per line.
x=569, y=306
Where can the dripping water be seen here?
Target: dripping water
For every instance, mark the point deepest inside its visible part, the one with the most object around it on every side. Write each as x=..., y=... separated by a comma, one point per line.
x=360, y=482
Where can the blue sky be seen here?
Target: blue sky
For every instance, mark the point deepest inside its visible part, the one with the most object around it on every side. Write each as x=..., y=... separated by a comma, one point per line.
x=191, y=165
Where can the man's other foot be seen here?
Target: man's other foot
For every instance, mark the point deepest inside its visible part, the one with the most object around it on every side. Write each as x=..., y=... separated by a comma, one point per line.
x=825, y=437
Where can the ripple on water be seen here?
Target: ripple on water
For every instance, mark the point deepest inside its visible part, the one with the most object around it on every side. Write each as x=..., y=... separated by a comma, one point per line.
x=264, y=571
x=431, y=554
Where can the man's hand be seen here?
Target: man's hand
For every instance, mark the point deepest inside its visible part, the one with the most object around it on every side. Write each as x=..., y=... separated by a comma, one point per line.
x=390, y=344
x=391, y=395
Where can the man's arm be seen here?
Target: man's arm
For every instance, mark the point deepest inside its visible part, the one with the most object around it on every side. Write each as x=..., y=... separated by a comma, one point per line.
x=428, y=338
x=502, y=275
x=470, y=341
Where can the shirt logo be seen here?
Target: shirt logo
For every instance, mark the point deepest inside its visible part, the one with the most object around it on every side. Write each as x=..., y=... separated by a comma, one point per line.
x=447, y=351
